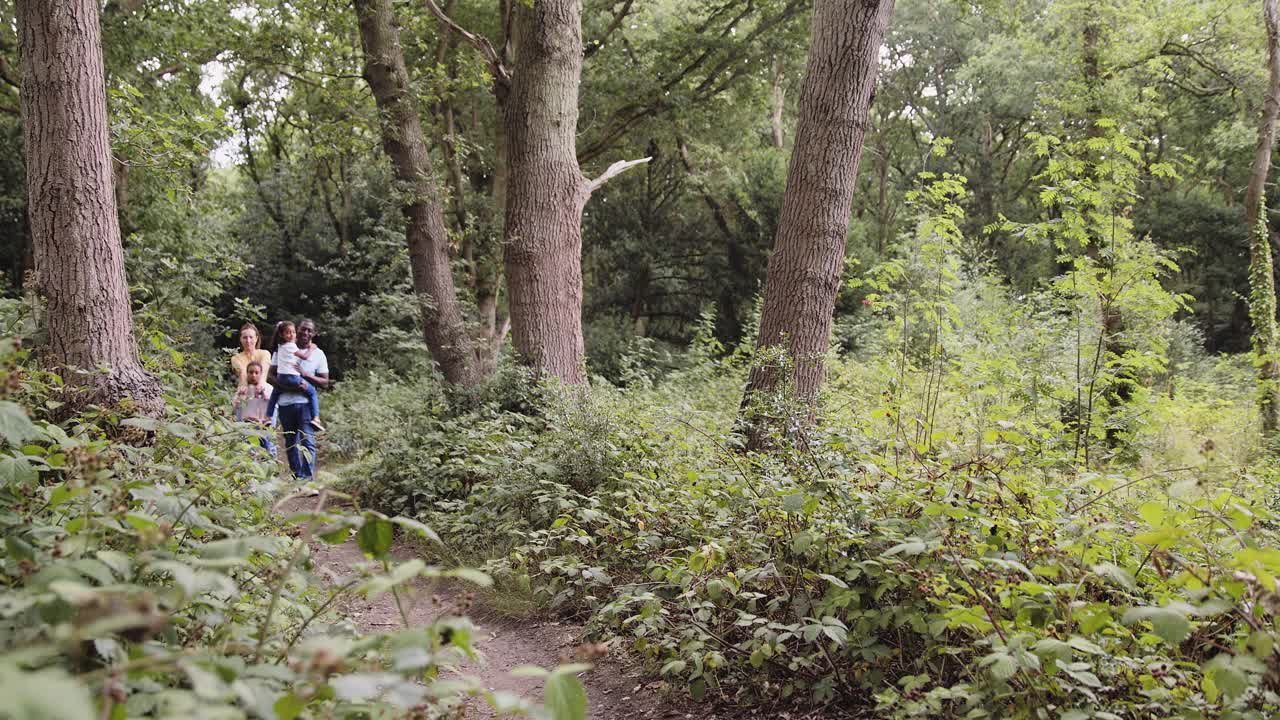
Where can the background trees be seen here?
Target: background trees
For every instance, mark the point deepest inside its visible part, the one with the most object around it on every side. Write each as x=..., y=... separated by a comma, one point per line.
x=249, y=159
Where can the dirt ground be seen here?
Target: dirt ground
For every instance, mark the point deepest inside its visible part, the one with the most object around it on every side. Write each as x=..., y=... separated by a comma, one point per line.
x=616, y=689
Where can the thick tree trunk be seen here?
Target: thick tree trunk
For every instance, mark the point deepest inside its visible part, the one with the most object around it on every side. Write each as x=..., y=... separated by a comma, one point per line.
x=406, y=146
x=808, y=252
x=1262, y=290
x=546, y=190
x=75, y=231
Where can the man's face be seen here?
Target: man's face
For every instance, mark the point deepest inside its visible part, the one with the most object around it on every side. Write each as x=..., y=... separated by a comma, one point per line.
x=306, y=331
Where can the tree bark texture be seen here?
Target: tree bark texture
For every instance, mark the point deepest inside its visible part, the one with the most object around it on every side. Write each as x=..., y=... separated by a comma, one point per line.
x=1262, y=288
x=545, y=191
x=808, y=251
x=406, y=145
x=75, y=230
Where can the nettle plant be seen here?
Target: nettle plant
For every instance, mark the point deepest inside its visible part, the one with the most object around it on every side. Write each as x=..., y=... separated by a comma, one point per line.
x=146, y=573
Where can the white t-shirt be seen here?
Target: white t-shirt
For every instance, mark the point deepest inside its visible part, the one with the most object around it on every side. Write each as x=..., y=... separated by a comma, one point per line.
x=286, y=359
x=317, y=364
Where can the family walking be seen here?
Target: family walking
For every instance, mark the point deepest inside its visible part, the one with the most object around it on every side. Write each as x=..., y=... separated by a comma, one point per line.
x=283, y=384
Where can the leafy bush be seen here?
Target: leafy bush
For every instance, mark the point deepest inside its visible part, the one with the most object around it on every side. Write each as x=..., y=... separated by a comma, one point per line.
x=937, y=548
x=144, y=576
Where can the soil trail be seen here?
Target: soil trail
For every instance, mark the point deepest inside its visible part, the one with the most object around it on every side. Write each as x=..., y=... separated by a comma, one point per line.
x=615, y=687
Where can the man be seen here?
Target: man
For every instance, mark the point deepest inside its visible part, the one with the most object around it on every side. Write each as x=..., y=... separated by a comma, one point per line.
x=293, y=409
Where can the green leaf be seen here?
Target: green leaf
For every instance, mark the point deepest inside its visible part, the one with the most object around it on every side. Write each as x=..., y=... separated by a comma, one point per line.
x=417, y=527
x=289, y=707
x=564, y=696
x=15, y=426
x=675, y=667
x=374, y=538
x=1170, y=623
x=1001, y=665
x=793, y=502
x=399, y=575
x=1052, y=648
x=471, y=575
x=1117, y=575
x=44, y=695
x=1153, y=513
x=911, y=547
x=142, y=423
x=16, y=471
x=834, y=580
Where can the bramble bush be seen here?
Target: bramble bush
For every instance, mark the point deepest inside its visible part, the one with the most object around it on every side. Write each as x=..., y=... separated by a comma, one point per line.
x=147, y=573
x=936, y=548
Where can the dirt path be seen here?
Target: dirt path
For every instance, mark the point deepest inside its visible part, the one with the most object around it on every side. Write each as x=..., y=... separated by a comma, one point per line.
x=615, y=687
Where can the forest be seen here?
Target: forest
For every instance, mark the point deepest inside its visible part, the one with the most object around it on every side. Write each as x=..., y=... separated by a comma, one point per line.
x=605, y=359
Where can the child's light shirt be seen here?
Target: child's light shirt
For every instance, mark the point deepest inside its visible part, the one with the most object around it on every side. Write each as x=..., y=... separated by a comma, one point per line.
x=287, y=360
x=255, y=404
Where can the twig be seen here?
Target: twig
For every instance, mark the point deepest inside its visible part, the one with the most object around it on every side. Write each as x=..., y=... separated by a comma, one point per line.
x=303, y=543
x=1131, y=483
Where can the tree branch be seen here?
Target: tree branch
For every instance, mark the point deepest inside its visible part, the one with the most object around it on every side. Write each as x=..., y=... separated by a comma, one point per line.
x=7, y=75
x=616, y=23
x=614, y=170
x=500, y=73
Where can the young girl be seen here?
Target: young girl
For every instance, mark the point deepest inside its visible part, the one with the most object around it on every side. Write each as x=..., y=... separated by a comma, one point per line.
x=289, y=359
x=251, y=406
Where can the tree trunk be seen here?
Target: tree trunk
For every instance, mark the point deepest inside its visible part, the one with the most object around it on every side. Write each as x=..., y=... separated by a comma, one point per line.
x=808, y=252
x=406, y=146
x=546, y=190
x=1262, y=288
x=71, y=199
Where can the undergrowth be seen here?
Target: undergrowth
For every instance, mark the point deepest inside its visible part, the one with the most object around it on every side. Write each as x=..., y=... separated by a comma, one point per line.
x=150, y=568
x=951, y=541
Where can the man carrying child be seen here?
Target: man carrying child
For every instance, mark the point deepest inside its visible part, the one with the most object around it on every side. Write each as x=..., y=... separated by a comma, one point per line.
x=293, y=403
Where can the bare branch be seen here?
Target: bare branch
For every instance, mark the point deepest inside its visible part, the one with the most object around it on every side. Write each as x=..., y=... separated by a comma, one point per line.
x=479, y=42
x=614, y=170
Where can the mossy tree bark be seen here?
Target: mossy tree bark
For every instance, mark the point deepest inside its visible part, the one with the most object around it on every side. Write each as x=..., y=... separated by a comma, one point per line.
x=405, y=143
x=1262, y=288
x=75, y=230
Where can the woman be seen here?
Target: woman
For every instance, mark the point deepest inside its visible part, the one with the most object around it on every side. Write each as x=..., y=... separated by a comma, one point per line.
x=249, y=352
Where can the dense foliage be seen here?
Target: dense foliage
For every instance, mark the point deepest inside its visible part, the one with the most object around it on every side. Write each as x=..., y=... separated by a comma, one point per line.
x=147, y=573
x=938, y=548
x=1034, y=487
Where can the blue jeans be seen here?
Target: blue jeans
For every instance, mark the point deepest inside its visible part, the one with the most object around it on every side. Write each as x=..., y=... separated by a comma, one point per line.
x=299, y=439
x=267, y=445
x=294, y=383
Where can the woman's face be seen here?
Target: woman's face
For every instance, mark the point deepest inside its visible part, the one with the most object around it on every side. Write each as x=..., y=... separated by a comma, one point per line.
x=248, y=339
